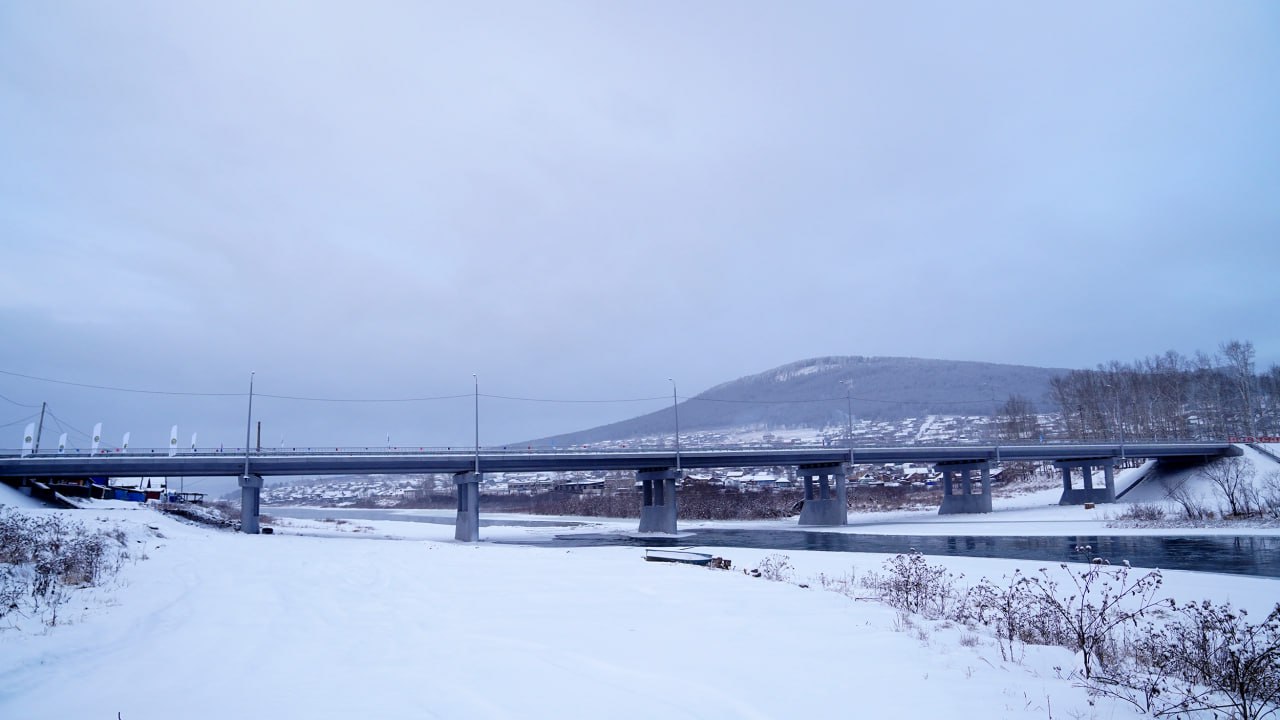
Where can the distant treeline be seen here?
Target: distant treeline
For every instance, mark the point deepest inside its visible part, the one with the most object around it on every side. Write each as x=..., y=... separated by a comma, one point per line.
x=697, y=502
x=1164, y=397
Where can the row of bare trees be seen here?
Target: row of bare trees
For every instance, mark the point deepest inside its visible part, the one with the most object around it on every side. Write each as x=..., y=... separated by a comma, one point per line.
x=1164, y=397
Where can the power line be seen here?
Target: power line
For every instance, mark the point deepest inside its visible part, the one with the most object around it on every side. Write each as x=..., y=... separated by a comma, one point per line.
x=118, y=389
x=61, y=422
x=837, y=398
x=762, y=402
x=55, y=422
x=362, y=400
x=15, y=402
x=19, y=421
x=303, y=398
x=564, y=400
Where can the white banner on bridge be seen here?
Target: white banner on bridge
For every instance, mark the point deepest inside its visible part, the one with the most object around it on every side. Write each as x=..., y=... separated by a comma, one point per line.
x=193, y=442
x=97, y=438
x=173, y=441
x=28, y=438
x=62, y=443
x=125, y=444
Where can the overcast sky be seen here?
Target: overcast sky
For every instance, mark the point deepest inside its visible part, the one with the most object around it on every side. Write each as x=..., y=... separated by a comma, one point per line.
x=581, y=200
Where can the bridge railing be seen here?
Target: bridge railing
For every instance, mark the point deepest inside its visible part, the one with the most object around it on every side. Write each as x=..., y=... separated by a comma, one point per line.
x=490, y=450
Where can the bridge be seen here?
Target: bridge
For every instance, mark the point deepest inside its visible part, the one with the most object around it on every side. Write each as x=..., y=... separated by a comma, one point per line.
x=965, y=471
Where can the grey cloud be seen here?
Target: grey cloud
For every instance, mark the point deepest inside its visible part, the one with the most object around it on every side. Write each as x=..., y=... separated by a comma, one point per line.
x=579, y=201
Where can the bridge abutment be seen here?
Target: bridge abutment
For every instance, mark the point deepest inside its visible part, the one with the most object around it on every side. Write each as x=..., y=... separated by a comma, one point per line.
x=1089, y=493
x=467, y=526
x=968, y=498
x=658, y=513
x=826, y=499
x=250, y=503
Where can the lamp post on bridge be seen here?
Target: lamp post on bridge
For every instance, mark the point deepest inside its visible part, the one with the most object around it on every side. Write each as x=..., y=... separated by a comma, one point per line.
x=848, y=418
x=993, y=429
x=248, y=426
x=675, y=408
x=477, y=416
x=250, y=485
x=1119, y=418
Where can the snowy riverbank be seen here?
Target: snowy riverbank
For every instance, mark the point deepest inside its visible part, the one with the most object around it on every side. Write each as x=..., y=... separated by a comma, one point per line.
x=386, y=618
x=392, y=619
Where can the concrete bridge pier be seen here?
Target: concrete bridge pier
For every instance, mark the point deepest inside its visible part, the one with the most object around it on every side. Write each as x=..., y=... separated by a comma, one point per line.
x=467, y=527
x=827, y=503
x=658, y=514
x=1090, y=492
x=250, y=501
x=969, y=498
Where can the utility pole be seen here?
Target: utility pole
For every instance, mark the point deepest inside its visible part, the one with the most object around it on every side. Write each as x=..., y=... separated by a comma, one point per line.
x=675, y=407
x=36, y=447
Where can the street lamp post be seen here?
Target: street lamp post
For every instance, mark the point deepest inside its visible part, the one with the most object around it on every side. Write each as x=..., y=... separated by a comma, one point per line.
x=248, y=426
x=675, y=407
x=250, y=485
x=848, y=419
x=1119, y=418
x=477, y=415
x=993, y=432
x=1120, y=423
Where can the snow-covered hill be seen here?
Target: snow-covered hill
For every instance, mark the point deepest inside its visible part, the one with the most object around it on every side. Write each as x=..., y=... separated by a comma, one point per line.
x=819, y=393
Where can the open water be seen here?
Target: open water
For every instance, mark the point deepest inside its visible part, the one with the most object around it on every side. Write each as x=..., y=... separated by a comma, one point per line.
x=1236, y=554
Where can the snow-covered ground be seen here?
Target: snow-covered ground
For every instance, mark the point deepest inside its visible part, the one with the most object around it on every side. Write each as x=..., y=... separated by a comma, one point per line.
x=13, y=498
x=387, y=619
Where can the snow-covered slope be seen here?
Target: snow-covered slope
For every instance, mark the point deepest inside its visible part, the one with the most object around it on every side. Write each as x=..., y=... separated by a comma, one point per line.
x=343, y=621
x=1156, y=488
x=13, y=498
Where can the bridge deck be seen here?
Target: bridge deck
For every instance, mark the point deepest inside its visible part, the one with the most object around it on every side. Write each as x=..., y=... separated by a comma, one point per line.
x=275, y=463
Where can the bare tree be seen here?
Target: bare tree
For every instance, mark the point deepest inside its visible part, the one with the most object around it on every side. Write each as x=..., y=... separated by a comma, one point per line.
x=1170, y=396
x=1269, y=401
x=1269, y=495
x=1017, y=419
x=1239, y=358
x=1192, y=506
x=1233, y=478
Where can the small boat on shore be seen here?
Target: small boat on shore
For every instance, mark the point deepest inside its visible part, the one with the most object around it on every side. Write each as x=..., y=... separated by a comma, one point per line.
x=677, y=556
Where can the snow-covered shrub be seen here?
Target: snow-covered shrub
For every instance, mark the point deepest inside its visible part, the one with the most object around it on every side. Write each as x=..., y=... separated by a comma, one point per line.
x=1102, y=601
x=843, y=584
x=13, y=588
x=887, y=499
x=17, y=537
x=1016, y=613
x=1224, y=663
x=44, y=557
x=911, y=584
x=1205, y=659
x=775, y=567
x=1142, y=512
x=219, y=514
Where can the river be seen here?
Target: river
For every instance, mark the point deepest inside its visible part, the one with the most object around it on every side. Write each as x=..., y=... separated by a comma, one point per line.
x=1257, y=555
